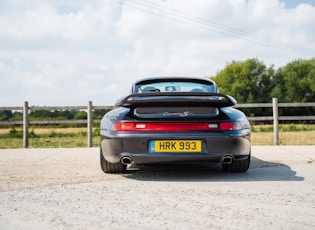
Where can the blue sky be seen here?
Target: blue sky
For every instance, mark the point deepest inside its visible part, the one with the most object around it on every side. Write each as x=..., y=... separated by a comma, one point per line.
x=295, y=3
x=55, y=52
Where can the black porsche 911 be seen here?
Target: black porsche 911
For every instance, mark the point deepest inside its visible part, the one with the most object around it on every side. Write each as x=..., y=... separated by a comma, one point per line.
x=174, y=120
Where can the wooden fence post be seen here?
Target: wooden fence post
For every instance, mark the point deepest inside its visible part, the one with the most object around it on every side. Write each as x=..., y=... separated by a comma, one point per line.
x=25, y=124
x=275, y=121
x=89, y=124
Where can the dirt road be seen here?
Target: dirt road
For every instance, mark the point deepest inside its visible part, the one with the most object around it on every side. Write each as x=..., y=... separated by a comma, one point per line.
x=65, y=189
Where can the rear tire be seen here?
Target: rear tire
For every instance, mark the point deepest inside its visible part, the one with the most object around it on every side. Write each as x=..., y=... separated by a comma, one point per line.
x=237, y=166
x=109, y=167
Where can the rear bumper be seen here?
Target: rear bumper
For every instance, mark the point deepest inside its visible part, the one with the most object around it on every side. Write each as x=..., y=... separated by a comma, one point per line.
x=236, y=144
x=177, y=158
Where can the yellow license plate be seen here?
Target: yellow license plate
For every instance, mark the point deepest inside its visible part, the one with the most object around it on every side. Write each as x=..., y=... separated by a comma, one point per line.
x=175, y=146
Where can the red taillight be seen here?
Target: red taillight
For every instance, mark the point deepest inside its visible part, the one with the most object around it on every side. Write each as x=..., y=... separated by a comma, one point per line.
x=226, y=126
x=175, y=126
x=123, y=126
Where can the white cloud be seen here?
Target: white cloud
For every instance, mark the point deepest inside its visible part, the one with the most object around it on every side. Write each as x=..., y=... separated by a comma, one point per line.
x=55, y=52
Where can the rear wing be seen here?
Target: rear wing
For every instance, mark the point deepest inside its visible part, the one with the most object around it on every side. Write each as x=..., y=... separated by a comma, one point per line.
x=188, y=99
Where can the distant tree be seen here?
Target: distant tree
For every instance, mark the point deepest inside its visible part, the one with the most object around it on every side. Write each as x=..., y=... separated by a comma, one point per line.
x=98, y=114
x=247, y=81
x=5, y=115
x=67, y=114
x=16, y=116
x=80, y=115
x=39, y=114
x=295, y=82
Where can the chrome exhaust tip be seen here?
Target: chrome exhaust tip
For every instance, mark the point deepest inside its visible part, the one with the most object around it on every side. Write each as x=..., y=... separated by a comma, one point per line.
x=227, y=159
x=126, y=160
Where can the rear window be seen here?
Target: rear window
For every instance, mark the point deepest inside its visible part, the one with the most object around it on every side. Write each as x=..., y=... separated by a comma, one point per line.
x=174, y=86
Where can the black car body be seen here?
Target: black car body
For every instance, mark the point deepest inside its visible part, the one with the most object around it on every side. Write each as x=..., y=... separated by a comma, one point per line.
x=175, y=120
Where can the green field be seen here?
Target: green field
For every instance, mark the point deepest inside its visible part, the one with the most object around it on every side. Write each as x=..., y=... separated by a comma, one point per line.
x=50, y=137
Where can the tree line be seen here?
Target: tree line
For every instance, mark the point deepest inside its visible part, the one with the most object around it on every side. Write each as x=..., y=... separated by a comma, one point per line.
x=251, y=81
x=8, y=115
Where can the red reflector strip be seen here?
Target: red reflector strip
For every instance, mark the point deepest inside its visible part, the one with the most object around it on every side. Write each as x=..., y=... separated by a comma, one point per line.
x=175, y=126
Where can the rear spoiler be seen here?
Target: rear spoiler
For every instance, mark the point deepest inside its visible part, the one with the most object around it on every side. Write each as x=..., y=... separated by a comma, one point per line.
x=216, y=100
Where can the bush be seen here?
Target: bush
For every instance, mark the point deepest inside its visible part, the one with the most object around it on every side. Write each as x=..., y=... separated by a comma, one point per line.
x=13, y=133
x=96, y=132
x=81, y=115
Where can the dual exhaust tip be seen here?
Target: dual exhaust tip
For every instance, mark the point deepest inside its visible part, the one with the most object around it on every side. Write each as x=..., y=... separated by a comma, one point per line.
x=225, y=159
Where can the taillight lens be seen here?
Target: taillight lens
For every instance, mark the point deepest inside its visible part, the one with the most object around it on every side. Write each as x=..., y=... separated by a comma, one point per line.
x=175, y=126
x=230, y=126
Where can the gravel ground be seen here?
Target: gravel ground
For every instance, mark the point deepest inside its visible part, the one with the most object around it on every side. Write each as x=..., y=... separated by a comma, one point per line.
x=65, y=189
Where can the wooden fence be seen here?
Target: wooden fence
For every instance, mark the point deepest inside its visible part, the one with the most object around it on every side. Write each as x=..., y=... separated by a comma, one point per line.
x=89, y=121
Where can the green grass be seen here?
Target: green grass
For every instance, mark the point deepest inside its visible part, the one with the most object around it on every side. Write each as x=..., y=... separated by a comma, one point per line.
x=48, y=139
x=284, y=128
x=41, y=142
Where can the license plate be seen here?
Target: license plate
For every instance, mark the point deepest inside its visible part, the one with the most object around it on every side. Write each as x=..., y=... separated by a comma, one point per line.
x=175, y=146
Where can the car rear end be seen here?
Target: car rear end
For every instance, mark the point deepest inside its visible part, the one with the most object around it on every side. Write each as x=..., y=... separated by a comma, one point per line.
x=164, y=128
